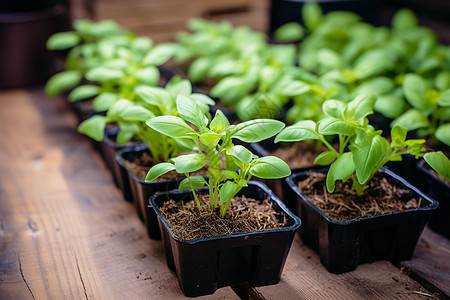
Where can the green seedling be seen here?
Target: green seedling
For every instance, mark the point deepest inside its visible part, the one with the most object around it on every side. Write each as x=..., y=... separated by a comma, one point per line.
x=214, y=146
x=132, y=115
x=362, y=150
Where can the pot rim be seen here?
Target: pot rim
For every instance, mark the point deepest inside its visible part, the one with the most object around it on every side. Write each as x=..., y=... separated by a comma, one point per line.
x=270, y=194
x=433, y=204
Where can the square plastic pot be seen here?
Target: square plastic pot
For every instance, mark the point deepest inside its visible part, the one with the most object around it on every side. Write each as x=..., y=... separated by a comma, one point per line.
x=440, y=191
x=109, y=147
x=204, y=265
x=342, y=245
x=141, y=191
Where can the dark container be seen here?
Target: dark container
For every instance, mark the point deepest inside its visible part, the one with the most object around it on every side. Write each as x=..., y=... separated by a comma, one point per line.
x=408, y=170
x=141, y=190
x=204, y=265
x=440, y=191
x=109, y=147
x=24, y=30
x=286, y=11
x=342, y=245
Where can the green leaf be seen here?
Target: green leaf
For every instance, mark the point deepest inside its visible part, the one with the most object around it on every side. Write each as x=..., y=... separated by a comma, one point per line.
x=360, y=107
x=189, y=163
x=439, y=162
x=240, y=153
x=231, y=88
x=153, y=95
x=293, y=88
x=325, y=158
x=227, y=191
x=300, y=131
x=444, y=98
x=219, y=122
x=93, y=127
x=104, y=101
x=63, y=40
x=411, y=120
x=136, y=113
x=160, y=54
x=116, y=109
x=230, y=174
x=415, y=88
x=270, y=167
x=404, y=19
x=197, y=182
x=390, y=106
x=443, y=134
x=101, y=74
x=311, y=15
x=398, y=136
x=170, y=125
x=335, y=126
x=149, y=75
x=62, y=81
x=211, y=139
x=333, y=108
x=199, y=68
x=341, y=169
x=368, y=153
x=182, y=87
x=257, y=130
x=83, y=92
x=190, y=112
x=158, y=170
x=289, y=32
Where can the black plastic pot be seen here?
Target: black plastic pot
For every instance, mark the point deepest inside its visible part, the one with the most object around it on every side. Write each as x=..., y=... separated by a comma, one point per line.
x=286, y=11
x=141, y=190
x=204, y=265
x=109, y=147
x=24, y=30
x=408, y=170
x=342, y=245
x=440, y=191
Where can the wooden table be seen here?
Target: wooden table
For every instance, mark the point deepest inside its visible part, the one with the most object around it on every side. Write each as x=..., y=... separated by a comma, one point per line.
x=67, y=233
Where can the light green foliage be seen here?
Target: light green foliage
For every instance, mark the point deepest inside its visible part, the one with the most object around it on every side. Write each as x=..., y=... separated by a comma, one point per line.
x=150, y=101
x=214, y=144
x=115, y=62
x=362, y=150
x=439, y=162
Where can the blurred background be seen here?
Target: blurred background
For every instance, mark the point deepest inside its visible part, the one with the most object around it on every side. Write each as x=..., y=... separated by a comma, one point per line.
x=25, y=25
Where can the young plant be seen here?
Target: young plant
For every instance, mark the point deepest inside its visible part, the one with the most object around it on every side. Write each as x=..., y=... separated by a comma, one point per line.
x=362, y=150
x=214, y=144
x=90, y=44
x=132, y=115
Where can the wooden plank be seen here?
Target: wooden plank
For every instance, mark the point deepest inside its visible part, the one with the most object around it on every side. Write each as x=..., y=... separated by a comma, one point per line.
x=305, y=278
x=431, y=262
x=65, y=231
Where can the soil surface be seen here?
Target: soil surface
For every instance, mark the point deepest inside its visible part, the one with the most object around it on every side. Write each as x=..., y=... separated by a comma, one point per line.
x=141, y=164
x=380, y=198
x=298, y=154
x=243, y=215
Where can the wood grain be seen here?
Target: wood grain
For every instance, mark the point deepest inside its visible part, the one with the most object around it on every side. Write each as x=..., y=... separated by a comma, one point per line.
x=65, y=231
x=431, y=262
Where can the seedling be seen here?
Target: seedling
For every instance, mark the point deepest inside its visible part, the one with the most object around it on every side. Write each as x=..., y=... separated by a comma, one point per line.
x=214, y=144
x=132, y=115
x=362, y=150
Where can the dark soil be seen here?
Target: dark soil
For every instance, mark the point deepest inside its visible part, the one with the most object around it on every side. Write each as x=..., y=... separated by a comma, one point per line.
x=141, y=164
x=243, y=215
x=298, y=154
x=380, y=198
